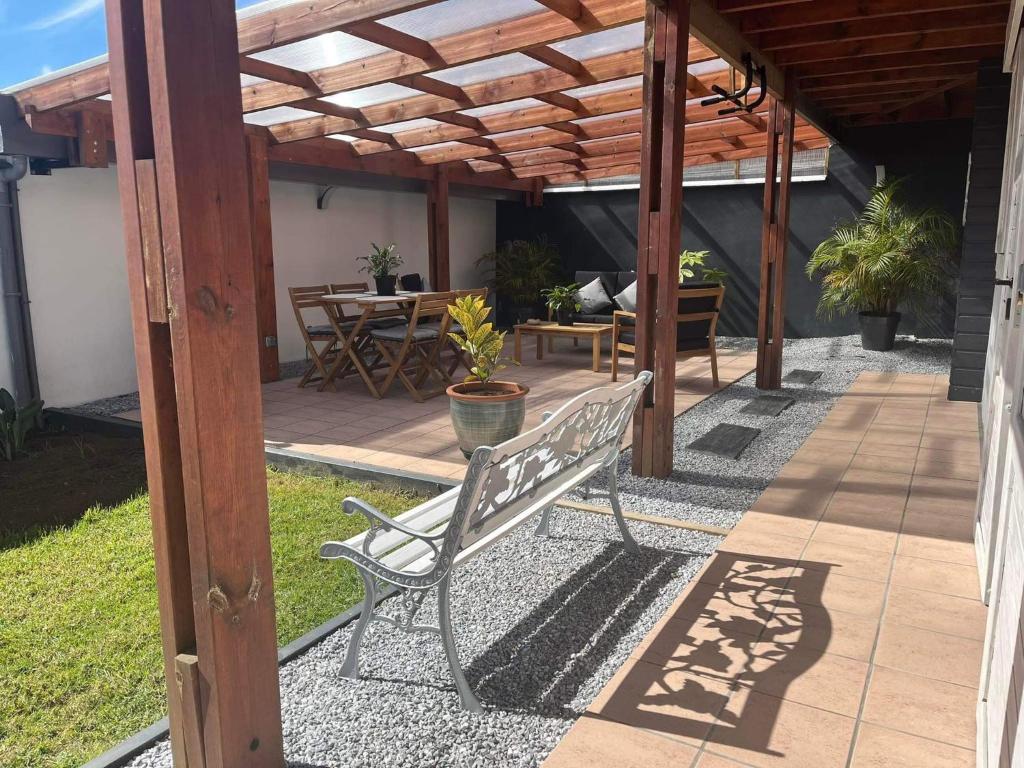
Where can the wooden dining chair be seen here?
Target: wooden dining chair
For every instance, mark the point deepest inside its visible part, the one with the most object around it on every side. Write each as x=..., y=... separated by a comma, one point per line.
x=321, y=338
x=412, y=350
x=699, y=307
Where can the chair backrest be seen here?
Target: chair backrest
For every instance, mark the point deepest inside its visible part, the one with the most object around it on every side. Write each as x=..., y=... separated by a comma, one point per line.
x=307, y=297
x=340, y=313
x=538, y=467
x=432, y=307
x=481, y=292
x=699, y=305
x=411, y=282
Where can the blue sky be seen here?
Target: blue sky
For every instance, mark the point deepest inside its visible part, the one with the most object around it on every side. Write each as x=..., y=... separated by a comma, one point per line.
x=39, y=36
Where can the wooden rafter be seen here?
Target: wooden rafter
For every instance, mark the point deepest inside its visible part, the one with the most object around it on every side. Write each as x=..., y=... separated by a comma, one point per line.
x=805, y=14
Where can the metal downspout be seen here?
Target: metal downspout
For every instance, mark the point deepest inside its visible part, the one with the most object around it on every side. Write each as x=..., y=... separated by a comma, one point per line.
x=13, y=284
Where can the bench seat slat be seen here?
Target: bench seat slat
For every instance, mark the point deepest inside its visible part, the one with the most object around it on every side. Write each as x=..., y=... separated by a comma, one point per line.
x=428, y=516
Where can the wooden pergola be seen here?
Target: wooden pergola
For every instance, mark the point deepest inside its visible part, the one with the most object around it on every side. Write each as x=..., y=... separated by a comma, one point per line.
x=517, y=95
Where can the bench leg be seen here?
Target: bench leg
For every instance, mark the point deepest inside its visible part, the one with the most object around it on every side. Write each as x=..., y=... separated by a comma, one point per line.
x=613, y=495
x=544, y=526
x=444, y=610
x=350, y=667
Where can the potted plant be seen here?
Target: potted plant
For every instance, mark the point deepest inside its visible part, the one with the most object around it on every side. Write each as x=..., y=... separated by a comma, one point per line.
x=689, y=260
x=891, y=255
x=519, y=270
x=382, y=263
x=562, y=301
x=484, y=411
x=15, y=424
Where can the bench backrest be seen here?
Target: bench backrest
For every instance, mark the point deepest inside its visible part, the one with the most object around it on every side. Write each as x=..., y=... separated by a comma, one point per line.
x=531, y=471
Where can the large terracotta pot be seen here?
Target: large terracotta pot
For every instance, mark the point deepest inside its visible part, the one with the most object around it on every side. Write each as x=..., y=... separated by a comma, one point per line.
x=486, y=413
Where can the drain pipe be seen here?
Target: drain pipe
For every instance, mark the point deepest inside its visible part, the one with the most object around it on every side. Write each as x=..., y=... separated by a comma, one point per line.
x=13, y=285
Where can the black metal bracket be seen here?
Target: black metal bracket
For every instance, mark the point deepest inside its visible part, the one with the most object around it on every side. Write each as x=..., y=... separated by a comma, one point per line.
x=738, y=98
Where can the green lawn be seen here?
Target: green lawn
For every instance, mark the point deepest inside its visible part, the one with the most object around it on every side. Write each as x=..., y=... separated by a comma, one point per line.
x=80, y=662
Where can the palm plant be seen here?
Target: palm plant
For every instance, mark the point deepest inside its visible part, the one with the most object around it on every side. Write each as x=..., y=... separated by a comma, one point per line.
x=891, y=255
x=520, y=269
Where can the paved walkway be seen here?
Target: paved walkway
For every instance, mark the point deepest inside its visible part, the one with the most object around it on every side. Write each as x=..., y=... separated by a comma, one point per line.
x=837, y=625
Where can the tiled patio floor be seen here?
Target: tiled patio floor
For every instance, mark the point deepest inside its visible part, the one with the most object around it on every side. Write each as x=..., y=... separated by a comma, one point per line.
x=838, y=624
x=396, y=432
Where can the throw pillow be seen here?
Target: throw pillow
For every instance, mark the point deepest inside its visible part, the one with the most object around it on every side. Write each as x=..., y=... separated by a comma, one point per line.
x=593, y=298
x=627, y=299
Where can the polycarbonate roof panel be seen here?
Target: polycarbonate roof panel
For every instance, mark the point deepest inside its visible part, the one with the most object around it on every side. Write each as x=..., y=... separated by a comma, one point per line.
x=374, y=94
x=704, y=67
x=585, y=120
x=247, y=80
x=604, y=42
x=327, y=50
x=612, y=85
x=489, y=69
x=454, y=16
x=342, y=137
x=278, y=115
x=505, y=106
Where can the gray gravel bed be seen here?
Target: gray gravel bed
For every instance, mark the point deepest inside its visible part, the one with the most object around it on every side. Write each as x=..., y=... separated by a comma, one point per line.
x=543, y=624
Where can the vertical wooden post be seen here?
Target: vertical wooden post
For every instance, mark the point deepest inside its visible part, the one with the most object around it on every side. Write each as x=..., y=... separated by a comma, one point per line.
x=263, y=256
x=92, y=140
x=774, y=237
x=661, y=202
x=437, y=231
x=177, y=107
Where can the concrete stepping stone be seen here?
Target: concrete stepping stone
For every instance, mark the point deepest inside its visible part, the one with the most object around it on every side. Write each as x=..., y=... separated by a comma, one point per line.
x=767, y=405
x=728, y=440
x=800, y=376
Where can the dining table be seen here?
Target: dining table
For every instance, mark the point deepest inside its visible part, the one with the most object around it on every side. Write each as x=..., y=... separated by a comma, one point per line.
x=371, y=307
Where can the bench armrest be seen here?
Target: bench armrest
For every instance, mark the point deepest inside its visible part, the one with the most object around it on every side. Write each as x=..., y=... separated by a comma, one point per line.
x=621, y=313
x=379, y=521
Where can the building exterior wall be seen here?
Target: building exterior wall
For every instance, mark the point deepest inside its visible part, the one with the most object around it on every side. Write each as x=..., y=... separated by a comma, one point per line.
x=978, y=256
x=75, y=264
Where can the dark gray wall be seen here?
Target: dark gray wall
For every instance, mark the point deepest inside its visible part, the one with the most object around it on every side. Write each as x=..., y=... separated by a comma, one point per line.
x=597, y=230
x=978, y=262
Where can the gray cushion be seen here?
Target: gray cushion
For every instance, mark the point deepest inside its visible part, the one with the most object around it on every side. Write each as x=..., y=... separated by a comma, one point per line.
x=601, y=319
x=399, y=332
x=326, y=330
x=593, y=298
x=384, y=322
x=627, y=299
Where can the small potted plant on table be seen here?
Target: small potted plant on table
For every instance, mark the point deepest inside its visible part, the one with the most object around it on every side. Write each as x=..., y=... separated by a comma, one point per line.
x=562, y=302
x=890, y=255
x=382, y=263
x=484, y=411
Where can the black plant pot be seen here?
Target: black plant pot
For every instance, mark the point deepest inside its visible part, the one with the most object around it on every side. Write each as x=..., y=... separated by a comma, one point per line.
x=386, y=285
x=564, y=316
x=878, y=330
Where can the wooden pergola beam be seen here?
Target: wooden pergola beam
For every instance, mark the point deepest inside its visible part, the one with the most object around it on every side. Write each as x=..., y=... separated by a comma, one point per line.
x=438, y=222
x=545, y=54
x=184, y=192
x=249, y=65
x=389, y=37
x=835, y=11
x=570, y=9
x=820, y=86
x=661, y=191
x=275, y=27
x=859, y=65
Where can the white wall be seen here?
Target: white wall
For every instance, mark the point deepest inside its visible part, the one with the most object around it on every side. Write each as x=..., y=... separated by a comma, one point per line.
x=75, y=267
x=312, y=247
x=75, y=264
x=6, y=370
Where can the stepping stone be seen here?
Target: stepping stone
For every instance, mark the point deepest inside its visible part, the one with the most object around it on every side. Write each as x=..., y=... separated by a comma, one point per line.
x=728, y=440
x=767, y=405
x=800, y=376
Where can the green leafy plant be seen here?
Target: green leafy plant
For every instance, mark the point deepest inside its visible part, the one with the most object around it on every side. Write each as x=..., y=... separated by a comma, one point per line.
x=521, y=269
x=687, y=261
x=713, y=275
x=381, y=262
x=478, y=339
x=562, y=297
x=15, y=424
x=890, y=255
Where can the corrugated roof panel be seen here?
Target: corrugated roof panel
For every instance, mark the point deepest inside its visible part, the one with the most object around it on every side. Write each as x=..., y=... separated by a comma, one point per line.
x=327, y=50
x=453, y=16
x=489, y=69
x=603, y=43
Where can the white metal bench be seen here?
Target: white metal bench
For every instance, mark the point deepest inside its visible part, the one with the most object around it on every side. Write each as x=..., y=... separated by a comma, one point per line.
x=505, y=486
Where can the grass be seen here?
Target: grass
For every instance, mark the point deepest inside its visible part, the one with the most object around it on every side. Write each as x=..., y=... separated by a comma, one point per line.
x=80, y=659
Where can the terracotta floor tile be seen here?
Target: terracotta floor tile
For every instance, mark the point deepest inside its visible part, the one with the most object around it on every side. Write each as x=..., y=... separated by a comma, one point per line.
x=932, y=576
x=673, y=703
x=855, y=535
x=713, y=648
x=765, y=731
x=943, y=613
x=811, y=627
x=969, y=456
x=902, y=464
x=933, y=523
x=709, y=760
x=596, y=742
x=860, y=514
x=839, y=559
x=764, y=544
x=920, y=706
x=879, y=747
x=832, y=592
x=932, y=548
x=929, y=654
x=950, y=470
x=883, y=449
x=762, y=522
x=743, y=610
x=807, y=676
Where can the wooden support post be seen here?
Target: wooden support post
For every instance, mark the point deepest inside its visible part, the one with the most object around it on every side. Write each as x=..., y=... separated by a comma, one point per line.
x=437, y=231
x=774, y=237
x=177, y=108
x=263, y=257
x=661, y=202
x=92, y=139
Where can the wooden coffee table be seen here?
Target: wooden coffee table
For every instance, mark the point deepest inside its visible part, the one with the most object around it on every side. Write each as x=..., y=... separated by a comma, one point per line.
x=594, y=331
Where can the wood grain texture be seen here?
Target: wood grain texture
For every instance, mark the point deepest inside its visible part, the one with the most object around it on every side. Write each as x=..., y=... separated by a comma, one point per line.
x=263, y=257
